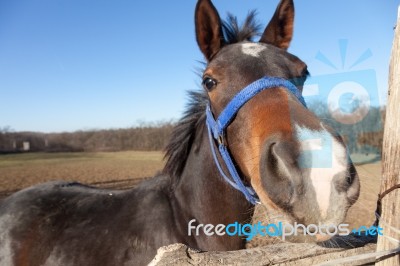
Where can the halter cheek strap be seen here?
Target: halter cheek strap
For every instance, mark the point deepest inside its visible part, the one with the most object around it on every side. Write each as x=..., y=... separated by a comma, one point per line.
x=217, y=128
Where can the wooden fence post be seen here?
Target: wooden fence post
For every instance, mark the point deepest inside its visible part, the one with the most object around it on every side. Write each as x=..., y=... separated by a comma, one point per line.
x=390, y=190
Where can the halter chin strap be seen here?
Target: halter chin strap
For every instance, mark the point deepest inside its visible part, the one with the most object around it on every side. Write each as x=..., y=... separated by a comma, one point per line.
x=217, y=128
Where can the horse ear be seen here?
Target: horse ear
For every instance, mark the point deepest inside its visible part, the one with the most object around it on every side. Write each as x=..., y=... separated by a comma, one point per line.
x=208, y=29
x=279, y=31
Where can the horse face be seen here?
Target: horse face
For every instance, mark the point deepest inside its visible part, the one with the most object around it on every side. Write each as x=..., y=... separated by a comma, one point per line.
x=295, y=163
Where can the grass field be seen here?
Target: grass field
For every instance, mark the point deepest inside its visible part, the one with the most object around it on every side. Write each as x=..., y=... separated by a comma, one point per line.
x=126, y=169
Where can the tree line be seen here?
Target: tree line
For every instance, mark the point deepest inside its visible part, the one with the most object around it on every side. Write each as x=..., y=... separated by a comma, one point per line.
x=142, y=138
x=152, y=137
x=363, y=135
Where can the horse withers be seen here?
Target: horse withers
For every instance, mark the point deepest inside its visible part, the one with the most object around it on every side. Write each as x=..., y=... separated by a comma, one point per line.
x=246, y=139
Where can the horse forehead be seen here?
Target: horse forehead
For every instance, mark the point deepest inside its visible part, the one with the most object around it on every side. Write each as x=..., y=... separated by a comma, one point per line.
x=252, y=49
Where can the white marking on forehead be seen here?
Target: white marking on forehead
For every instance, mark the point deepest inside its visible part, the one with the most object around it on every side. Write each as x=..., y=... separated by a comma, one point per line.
x=252, y=49
x=322, y=157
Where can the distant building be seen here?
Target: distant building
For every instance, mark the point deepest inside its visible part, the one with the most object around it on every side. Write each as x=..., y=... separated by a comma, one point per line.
x=26, y=146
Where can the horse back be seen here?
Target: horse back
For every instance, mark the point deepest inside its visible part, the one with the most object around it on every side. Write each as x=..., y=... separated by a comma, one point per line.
x=62, y=223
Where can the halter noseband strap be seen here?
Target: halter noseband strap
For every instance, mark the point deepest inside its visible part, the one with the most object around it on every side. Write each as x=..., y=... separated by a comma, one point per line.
x=217, y=128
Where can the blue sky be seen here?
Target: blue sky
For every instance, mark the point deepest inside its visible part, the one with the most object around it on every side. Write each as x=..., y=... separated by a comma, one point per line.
x=85, y=64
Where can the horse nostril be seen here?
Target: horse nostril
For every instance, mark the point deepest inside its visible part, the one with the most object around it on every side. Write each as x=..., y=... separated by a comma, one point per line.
x=349, y=179
x=277, y=170
x=351, y=175
x=281, y=159
x=271, y=158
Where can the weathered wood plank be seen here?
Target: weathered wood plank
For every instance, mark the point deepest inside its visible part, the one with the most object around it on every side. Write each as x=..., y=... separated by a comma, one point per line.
x=390, y=217
x=288, y=254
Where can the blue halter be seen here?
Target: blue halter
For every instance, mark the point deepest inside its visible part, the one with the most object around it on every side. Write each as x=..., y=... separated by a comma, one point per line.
x=217, y=128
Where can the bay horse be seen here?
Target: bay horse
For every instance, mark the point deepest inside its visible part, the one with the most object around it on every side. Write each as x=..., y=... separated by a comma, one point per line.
x=242, y=141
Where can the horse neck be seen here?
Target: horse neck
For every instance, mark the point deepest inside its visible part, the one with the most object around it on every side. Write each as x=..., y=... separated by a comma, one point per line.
x=202, y=194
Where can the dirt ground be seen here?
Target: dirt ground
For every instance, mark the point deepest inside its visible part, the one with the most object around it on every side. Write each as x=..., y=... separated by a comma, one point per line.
x=362, y=212
x=126, y=169
x=105, y=169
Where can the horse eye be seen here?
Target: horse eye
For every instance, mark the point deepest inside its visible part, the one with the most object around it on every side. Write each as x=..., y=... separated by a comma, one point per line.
x=209, y=83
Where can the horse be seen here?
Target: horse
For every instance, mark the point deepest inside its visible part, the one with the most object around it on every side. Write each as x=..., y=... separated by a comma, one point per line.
x=245, y=139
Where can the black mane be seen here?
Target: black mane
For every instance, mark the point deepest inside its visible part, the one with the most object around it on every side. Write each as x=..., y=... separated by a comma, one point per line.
x=233, y=33
x=184, y=132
